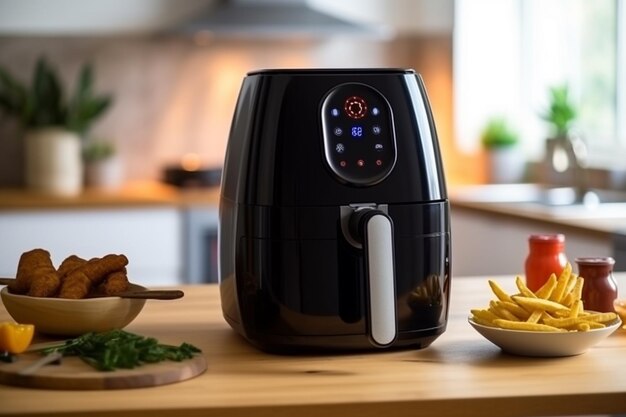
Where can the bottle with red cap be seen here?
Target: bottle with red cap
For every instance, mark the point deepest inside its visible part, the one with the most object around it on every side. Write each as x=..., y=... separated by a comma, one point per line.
x=546, y=256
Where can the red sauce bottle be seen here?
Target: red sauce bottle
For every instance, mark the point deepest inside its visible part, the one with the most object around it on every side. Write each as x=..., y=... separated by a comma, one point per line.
x=600, y=288
x=546, y=256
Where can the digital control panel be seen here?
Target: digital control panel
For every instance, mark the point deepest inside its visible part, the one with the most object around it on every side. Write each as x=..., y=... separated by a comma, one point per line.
x=358, y=133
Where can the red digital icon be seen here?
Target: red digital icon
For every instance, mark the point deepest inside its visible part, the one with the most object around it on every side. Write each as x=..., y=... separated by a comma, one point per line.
x=355, y=107
x=343, y=164
x=360, y=162
x=379, y=162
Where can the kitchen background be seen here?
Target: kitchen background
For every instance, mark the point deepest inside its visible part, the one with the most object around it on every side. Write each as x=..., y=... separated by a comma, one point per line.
x=174, y=92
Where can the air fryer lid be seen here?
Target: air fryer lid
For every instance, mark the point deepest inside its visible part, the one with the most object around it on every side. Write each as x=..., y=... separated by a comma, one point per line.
x=332, y=137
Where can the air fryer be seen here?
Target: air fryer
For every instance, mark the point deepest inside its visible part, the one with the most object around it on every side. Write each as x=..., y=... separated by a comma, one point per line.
x=334, y=217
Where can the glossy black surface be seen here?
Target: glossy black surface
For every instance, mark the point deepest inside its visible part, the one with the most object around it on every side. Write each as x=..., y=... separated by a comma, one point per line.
x=275, y=153
x=289, y=279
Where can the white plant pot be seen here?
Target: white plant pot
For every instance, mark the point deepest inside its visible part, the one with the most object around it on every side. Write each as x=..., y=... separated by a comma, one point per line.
x=105, y=174
x=54, y=162
x=505, y=165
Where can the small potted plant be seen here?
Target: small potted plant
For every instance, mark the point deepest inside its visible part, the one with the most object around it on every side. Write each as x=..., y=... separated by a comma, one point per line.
x=102, y=166
x=565, y=151
x=505, y=162
x=54, y=125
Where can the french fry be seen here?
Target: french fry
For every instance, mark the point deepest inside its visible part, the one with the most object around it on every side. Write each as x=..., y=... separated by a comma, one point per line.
x=569, y=322
x=484, y=315
x=539, y=304
x=571, y=283
x=523, y=325
x=546, y=289
x=523, y=289
x=535, y=316
x=515, y=309
x=483, y=322
x=576, y=308
x=583, y=327
x=594, y=325
x=501, y=312
x=575, y=293
x=561, y=283
x=499, y=292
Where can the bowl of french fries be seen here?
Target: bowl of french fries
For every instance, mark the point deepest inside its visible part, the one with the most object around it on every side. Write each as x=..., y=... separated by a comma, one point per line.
x=549, y=322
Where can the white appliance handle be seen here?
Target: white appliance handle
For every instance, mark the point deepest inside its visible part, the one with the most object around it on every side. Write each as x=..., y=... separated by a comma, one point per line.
x=377, y=233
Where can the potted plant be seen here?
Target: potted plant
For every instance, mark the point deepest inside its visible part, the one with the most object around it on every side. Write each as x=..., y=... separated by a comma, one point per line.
x=53, y=124
x=564, y=150
x=505, y=164
x=102, y=166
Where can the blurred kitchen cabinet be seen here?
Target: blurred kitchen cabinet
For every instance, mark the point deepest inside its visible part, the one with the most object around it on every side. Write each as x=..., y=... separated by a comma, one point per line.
x=151, y=238
x=485, y=243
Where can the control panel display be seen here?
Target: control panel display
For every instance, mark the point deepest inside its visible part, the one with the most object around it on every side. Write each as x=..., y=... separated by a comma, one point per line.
x=358, y=134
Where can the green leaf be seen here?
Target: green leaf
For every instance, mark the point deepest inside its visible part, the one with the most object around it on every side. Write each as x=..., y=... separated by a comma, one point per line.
x=43, y=102
x=46, y=96
x=12, y=94
x=85, y=107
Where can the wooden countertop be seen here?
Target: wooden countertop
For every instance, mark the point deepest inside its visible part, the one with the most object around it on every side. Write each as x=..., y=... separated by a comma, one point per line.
x=460, y=374
x=134, y=194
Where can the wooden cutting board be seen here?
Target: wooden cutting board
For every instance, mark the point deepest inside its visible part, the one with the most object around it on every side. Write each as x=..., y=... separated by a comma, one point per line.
x=74, y=374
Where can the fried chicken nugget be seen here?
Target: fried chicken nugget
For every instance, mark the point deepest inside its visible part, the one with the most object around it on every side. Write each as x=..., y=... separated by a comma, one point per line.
x=35, y=275
x=79, y=282
x=45, y=282
x=69, y=264
x=114, y=283
x=29, y=261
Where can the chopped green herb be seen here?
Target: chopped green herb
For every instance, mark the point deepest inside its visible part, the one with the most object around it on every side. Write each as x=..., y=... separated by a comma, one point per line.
x=120, y=349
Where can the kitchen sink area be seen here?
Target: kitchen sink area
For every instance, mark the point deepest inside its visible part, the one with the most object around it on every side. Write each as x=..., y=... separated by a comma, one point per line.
x=552, y=201
x=593, y=221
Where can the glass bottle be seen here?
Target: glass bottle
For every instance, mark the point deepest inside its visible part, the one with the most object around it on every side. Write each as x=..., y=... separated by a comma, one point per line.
x=546, y=256
x=599, y=288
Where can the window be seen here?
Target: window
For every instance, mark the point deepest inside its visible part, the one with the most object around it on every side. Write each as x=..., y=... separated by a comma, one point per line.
x=509, y=52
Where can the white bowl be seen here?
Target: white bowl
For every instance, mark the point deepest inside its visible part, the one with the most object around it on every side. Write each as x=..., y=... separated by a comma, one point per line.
x=545, y=344
x=59, y=316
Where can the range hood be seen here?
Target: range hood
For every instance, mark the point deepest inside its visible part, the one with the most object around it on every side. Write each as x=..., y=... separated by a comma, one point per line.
x=274, y=19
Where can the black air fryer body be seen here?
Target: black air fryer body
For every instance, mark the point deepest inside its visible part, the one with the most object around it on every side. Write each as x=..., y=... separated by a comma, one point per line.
x=334, y=218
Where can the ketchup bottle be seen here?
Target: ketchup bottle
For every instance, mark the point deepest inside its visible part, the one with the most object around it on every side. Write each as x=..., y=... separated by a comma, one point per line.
x=599, y=288
x=546, y=256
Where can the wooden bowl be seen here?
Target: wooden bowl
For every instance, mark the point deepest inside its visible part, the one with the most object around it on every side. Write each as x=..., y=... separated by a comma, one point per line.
x=59, y=316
